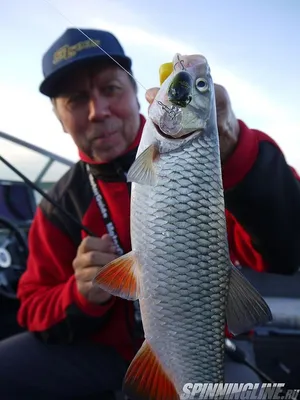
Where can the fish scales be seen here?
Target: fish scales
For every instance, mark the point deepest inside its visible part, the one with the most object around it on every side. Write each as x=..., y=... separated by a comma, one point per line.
x=179, y=304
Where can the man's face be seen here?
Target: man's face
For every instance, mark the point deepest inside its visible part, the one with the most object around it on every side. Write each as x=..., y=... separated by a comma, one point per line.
x=98, y=107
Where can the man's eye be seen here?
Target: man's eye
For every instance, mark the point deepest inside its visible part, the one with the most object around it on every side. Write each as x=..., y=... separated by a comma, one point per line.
x=78, y=98
x=111, y=89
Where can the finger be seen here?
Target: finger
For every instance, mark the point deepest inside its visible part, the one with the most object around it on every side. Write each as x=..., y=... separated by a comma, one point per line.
x=104, y=244
x=107, y=239
x=190, y=60
x=151, y=93
x=222, y=97
x=87, y=274
x=93, y=259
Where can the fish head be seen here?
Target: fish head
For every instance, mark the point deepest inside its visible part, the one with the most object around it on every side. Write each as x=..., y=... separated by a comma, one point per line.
x=185, y=104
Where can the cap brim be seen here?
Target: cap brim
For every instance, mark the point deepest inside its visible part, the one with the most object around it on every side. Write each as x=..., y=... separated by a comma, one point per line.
x=49, y=86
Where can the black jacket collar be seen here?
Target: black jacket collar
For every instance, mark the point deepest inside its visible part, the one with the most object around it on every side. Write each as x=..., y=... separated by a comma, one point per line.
x=116, y=170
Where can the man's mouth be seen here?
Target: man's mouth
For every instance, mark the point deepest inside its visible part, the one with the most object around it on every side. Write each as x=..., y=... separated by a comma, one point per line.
x=104, y=136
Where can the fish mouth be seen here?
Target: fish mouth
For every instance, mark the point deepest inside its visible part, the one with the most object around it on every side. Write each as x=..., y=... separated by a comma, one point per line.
x=161, y=133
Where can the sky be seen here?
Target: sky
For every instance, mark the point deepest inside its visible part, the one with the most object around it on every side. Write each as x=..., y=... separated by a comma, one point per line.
x=252, y=47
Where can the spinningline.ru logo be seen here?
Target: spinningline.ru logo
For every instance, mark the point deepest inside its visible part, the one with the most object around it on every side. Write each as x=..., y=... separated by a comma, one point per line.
x=238, y=391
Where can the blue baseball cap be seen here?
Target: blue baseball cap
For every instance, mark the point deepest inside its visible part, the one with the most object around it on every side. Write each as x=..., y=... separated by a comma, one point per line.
x=72, y=49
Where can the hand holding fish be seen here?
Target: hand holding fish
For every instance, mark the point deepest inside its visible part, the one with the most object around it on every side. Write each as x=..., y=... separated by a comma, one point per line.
x=93, y=253
x=227, y=122
x=228, y=125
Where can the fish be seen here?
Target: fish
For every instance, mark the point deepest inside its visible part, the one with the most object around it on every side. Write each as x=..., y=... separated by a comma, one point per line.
x=179, y=268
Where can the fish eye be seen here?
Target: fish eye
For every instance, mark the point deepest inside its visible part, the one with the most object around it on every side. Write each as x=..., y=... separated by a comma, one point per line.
x=201, y=85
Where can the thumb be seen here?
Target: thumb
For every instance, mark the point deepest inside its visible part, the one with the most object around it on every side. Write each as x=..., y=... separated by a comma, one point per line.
x=222, y=97
x=151, y=93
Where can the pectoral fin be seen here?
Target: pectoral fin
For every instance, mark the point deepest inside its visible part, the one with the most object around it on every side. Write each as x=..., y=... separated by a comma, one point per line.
x=245, y=306
x=145, y=378
x=120, y=277
x=142, y=170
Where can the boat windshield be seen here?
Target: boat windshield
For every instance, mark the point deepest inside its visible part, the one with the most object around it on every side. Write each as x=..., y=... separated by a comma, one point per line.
x=40, y=166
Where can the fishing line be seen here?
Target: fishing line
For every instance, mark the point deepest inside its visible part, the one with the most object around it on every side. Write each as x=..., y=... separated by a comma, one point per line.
x=172, y=113
x=180, y=61
x=96, y=44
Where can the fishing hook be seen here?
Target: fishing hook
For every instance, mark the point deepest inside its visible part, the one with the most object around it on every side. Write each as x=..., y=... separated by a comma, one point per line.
x=181, y=62
x=173, y=111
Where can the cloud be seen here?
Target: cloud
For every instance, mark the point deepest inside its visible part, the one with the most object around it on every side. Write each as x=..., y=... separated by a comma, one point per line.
x=27, y=114
x=250, y=102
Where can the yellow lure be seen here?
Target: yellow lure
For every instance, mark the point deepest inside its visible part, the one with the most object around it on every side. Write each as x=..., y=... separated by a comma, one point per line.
x=164, y=71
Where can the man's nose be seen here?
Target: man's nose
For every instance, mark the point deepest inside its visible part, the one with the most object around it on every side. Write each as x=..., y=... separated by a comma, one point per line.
x=98, y=108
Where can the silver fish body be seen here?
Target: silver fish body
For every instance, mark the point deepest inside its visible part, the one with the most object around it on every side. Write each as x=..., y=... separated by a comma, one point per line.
x=179, y=238
x=179, y=267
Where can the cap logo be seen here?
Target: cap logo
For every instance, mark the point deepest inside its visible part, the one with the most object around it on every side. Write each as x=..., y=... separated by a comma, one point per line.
x=66, y=52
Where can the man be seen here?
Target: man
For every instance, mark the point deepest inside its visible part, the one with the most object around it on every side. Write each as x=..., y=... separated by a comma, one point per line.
x=80, y=335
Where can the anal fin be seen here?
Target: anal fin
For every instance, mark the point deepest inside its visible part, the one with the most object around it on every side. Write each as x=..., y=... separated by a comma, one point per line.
x=120, y=277
x=245, y=306
x=145, y=378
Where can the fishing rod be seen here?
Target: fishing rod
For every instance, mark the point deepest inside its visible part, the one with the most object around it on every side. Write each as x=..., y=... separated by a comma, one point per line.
x=46, y=196
x=65, y=212
x=238, y=355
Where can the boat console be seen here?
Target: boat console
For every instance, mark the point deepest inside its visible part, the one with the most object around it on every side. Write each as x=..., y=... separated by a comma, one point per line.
x=17, y=208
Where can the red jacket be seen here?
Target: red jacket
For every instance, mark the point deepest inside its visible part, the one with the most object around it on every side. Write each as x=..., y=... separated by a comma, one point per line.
x=262, y=209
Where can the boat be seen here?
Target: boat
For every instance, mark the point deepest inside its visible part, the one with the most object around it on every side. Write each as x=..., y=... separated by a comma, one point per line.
x=26, y=173
x=277, y=344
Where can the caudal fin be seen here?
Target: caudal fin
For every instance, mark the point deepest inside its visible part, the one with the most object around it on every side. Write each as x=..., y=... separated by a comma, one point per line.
x=145, y=378
x=245, y=306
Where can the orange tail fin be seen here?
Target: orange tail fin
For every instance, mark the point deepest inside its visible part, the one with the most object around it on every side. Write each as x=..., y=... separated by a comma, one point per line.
x=146, y=379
